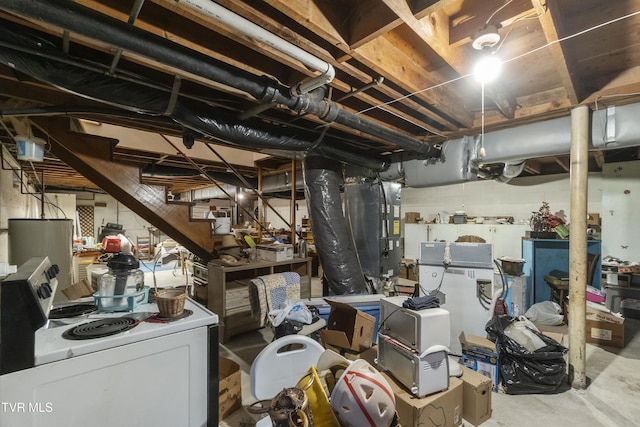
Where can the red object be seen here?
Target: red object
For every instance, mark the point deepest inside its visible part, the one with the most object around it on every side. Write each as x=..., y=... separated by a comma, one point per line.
x=111, y=244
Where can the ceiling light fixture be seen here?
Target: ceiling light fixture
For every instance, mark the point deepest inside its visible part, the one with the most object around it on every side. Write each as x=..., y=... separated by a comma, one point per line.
x=488, y=68
x=486, y=37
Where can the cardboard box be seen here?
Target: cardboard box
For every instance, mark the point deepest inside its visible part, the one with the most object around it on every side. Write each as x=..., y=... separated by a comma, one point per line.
x=605, y=333
x=275, y=252
x=600, y=312
x=409, y=270
x=230, y=388
x=476, y=396
x=442, y=409
x=593, y=218
x=348, y=327
x=480, y=355
x=411, y=217
x=80, y=289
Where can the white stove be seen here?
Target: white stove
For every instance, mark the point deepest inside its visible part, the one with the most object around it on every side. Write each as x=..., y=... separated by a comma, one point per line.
x=152, y=374
x=51, y=346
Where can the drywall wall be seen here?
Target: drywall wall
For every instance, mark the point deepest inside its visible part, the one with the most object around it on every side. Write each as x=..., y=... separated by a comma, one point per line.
x=620, y=201
x=518, y=198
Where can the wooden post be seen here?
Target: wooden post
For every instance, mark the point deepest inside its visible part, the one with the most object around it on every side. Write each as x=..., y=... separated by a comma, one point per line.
x=292, y=205
x=261, y=215
x=578, y=245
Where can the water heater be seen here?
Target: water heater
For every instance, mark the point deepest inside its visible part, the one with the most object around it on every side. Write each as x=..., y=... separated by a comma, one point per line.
x=52, y=238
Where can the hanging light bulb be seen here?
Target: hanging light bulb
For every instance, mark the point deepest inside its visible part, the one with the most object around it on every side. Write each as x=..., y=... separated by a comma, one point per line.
x=488, y=68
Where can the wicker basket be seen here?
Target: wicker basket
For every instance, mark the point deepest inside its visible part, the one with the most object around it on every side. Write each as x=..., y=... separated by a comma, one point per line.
x=171, y=302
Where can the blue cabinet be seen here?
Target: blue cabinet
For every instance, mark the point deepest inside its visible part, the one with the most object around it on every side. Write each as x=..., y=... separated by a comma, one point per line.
x=545, y=255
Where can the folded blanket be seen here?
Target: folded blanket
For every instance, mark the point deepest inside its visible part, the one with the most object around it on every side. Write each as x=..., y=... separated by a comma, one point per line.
x=271, y=291
x=421, y=303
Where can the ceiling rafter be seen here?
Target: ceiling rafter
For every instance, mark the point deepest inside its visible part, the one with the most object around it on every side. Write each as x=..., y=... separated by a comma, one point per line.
x=551, y=20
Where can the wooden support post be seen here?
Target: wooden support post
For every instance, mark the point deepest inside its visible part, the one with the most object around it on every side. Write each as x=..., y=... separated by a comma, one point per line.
x=578, y=245
x=292, y=205
x=261, y=216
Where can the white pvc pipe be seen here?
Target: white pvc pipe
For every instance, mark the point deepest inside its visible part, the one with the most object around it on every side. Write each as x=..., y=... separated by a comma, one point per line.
x=248, y=28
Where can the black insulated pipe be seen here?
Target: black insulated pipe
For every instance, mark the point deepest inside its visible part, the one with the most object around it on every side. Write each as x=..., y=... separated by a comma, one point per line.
x=87, y=22
x=140, y=99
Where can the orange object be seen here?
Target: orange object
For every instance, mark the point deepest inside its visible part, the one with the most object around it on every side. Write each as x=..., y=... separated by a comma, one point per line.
x=111, y=244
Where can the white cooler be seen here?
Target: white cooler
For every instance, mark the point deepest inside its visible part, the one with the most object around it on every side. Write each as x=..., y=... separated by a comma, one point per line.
x=422, y=373
x=418, y=330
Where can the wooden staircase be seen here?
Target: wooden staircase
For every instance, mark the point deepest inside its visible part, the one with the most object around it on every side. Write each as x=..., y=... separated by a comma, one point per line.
x=92, y=156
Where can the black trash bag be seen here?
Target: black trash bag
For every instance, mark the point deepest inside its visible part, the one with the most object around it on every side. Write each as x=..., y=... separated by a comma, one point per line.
x=288, y=327
x=543, y=371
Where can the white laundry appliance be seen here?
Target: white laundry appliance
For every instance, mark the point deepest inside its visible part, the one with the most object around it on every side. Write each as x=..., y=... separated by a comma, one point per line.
x=107, y=369
x=462, y=273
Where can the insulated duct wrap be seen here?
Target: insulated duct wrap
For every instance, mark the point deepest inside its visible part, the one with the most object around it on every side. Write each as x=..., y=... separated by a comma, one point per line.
x=333, y=242
x=454, y=165
x=142, y=99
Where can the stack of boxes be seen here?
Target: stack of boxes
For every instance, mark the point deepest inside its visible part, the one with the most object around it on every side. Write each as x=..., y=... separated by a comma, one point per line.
x=480, y=355
x=412, y=356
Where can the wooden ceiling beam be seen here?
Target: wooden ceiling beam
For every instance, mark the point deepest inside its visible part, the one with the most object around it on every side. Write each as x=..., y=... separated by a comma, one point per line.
x=476, y=14
x=533, y=167
x=434, y=31
x=551, y=21
x=598, y=156
x=325, y=26
x=563, y=162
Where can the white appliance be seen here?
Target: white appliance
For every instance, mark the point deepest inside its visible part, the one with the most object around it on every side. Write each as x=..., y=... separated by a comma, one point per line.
x=463, y=272
x=417, y=329
x=422, y=373
x=152, y=374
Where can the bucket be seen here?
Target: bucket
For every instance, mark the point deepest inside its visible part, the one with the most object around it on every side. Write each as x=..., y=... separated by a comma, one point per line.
x=221, y=226
x=30, y=149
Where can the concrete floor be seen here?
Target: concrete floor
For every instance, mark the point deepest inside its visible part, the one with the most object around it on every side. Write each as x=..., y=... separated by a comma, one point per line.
x=612, y=398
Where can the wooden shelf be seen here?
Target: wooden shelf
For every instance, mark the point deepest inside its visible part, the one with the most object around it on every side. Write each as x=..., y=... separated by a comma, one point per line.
x=227, y=291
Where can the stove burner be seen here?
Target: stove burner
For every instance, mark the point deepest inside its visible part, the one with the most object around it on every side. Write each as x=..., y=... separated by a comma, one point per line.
x=71, y=311
x=99, y=328
x=185, y=313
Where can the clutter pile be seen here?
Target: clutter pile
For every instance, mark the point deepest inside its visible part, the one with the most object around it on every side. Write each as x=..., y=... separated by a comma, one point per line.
x=396, y=374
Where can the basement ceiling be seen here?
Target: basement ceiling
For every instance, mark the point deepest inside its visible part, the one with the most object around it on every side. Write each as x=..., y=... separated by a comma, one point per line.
x=403, y=65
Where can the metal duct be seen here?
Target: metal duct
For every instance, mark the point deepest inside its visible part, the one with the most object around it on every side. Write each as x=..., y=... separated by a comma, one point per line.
x=611, y=128
x=270, y=184
x=454, y=165
x=616, y=127
x=334, y=245
x=74, y=17
x=214, y=192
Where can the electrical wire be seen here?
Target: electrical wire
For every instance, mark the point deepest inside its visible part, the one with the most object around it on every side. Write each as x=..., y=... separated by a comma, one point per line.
x=464, y=76
x=381, y=324
x=435, y=291
x=496, y=11
x=503, y=278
